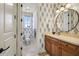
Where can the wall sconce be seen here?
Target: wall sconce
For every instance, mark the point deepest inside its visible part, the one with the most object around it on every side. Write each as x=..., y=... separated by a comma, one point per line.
x=57, y=11
x=62, y=8
x=75, y=8
x=65, y=10
x=68, y=6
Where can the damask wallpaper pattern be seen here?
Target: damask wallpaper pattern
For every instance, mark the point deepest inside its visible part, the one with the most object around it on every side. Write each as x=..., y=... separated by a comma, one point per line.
x=46, y=21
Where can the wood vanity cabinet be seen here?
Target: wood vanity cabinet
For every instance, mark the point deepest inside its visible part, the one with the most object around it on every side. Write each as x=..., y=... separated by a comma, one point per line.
x=56, y=47
x=52, y=46
x=48, y=44
x=69, y=49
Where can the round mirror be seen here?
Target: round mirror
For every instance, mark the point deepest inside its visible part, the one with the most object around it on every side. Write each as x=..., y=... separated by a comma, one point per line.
x=67, y=20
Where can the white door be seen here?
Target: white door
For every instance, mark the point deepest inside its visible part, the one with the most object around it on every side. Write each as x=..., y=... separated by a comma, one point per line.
x=7, y=40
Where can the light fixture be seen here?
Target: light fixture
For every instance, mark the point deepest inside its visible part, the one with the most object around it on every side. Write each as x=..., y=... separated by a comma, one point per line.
x=57, y=11
x=68, y=6
x=74, y=8
x=62, y=8
x=10, y=4
x=28, y=8
x=65, y=10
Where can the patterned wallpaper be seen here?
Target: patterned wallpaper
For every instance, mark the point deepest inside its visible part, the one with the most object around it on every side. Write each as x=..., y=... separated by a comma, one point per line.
x=46, y=21
x=46, y=16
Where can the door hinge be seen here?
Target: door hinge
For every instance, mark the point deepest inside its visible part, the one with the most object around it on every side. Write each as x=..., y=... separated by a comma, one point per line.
x=14, y=54
x=14, y=16
x=14, y=35
x=21, y=20
x=21, y=34
x=21, y=48
x=21, y=5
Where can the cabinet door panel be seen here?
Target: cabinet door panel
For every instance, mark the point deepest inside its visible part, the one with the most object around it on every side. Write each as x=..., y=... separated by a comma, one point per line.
x=47, y=45
x=66, y=53
x=56, y=50
x=56, y=47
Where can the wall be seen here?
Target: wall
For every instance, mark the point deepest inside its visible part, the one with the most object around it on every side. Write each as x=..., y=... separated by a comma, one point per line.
x=35, y=19
x=45, y=23
x=46, y=14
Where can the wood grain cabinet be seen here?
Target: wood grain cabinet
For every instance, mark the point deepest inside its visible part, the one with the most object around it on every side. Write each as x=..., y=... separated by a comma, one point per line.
x=56, y=47
x=48, y=44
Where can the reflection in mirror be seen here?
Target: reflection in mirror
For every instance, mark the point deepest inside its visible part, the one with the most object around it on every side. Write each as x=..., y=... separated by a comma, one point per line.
x=67, y=20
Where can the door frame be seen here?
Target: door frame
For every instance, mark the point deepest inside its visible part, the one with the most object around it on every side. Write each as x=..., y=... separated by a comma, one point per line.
x=18, y=28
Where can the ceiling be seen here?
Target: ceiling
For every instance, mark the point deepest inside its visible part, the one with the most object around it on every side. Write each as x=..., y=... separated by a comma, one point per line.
x=29, y=7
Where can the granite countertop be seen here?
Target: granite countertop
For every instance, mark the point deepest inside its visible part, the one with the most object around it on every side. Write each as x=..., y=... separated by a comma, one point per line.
x=68, y=39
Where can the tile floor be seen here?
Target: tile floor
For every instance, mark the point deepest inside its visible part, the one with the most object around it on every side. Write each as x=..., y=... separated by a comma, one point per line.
x=31, y=50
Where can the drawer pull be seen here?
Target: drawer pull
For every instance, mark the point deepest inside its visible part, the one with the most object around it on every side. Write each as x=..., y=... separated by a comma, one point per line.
x=66, y=45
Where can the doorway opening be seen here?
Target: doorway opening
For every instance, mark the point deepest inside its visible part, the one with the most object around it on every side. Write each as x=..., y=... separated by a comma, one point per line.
x=27, y=29
x=29, y=26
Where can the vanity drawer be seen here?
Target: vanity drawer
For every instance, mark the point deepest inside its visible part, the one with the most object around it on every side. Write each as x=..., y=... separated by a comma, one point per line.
x=68, y=46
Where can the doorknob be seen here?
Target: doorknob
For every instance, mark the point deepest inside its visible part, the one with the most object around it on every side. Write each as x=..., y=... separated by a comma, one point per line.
x=1, y=49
